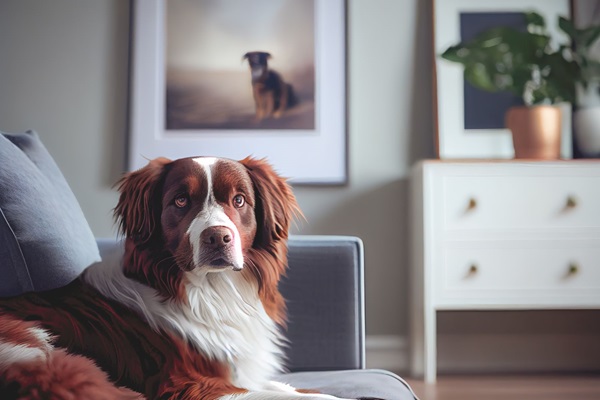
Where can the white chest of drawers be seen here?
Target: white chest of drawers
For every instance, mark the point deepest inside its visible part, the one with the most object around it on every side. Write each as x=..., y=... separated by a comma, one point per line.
x=501, y=235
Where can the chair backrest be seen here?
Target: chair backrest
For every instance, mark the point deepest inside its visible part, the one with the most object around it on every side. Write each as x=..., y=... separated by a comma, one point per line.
x=325, y=298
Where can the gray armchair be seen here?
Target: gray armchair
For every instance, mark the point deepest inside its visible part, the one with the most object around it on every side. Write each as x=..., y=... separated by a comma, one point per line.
x=324, y=293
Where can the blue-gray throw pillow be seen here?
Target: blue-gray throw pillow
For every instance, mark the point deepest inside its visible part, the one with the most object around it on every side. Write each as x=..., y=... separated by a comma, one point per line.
x=45, y=240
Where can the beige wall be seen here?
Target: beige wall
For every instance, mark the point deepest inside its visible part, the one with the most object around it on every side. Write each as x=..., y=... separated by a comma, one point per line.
x=63, y=72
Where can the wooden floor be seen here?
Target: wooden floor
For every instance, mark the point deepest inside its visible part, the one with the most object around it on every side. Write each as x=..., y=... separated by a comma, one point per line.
x=525, y=387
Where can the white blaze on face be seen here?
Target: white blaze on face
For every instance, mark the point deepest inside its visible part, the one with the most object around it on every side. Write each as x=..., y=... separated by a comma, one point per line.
x=212, y=214
x=257, y=72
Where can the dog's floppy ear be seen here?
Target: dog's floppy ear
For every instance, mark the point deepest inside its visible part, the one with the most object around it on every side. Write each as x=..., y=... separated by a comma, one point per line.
x=260, y=53
x=275, y=206
x=138, y=209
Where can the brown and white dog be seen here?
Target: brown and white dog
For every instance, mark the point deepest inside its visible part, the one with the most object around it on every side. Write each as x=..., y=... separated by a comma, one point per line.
x=191, y=311
x=272, y=95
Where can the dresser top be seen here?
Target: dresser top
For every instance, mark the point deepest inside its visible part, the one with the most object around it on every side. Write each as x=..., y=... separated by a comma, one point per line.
x=583, y=167
x=578, y=161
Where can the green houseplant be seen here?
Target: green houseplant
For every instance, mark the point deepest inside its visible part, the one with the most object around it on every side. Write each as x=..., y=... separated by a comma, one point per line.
x=525, y=63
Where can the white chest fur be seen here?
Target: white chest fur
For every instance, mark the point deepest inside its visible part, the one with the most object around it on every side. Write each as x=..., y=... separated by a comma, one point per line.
x=224, y=319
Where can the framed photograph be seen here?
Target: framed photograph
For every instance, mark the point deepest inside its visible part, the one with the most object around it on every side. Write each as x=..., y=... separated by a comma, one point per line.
x=470, y=121
x=237, y=78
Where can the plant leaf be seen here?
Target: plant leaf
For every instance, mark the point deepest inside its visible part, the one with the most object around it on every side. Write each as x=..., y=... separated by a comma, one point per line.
x=452, y=53
x=478, y=75
x=567, y=27
x=535, y=19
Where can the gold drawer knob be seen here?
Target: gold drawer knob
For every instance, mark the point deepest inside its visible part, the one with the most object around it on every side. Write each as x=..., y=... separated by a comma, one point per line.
x=571, y=202
x=473, y=269
x=573, y=269
x=472, y=204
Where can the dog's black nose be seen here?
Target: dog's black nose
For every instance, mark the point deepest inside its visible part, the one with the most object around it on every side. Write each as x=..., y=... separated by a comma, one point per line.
x=216, y=236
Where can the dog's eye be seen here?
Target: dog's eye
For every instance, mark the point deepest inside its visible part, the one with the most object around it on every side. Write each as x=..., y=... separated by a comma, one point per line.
x=239, y=201
x=181, y=201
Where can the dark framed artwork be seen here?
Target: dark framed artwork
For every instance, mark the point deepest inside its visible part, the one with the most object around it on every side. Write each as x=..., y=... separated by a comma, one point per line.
x=470, y=121
x=232, y=78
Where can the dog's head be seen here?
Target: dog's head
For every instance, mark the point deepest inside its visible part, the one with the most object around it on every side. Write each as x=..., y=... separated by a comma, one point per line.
x=258, y=62
x=206, y=215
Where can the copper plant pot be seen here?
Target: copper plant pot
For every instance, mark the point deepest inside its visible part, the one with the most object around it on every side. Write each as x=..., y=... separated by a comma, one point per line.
x=535, y=131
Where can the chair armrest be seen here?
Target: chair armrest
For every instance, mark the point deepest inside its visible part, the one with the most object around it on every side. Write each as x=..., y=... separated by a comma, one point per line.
x=324, y=293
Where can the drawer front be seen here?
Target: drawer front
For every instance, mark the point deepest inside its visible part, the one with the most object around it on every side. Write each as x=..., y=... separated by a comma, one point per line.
x=519, y=202
x=521, y=273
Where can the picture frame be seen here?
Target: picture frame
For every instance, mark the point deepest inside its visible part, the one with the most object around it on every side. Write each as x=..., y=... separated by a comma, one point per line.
x=316, y=155
x=457, y=136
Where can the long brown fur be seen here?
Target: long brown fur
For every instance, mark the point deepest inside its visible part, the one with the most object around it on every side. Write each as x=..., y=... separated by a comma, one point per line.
x=267, y=259
x=118, y=341
x=138, y=216
x=61, y=376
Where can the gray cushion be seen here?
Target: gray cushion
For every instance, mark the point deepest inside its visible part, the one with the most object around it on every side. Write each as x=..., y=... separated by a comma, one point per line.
x=353, y=384
x=45, y=240
x=324, y=295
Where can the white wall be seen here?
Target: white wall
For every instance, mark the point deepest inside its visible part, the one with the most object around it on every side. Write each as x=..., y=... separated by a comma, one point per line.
x=63, y=72
x=390, y=126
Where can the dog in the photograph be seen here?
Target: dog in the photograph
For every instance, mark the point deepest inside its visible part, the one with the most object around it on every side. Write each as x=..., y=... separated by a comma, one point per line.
x=272, y=95
x=190, y=311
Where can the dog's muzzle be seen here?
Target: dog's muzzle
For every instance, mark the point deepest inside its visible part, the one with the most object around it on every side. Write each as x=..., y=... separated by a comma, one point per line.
x=257, y=72
x=218, y=245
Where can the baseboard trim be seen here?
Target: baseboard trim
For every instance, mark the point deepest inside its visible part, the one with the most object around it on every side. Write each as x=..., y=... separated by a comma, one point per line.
x=387, y=352
x=507, y=353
